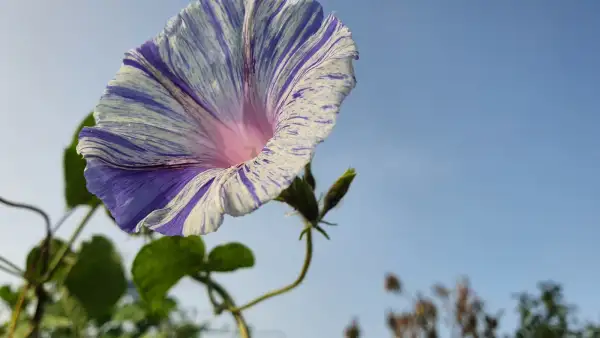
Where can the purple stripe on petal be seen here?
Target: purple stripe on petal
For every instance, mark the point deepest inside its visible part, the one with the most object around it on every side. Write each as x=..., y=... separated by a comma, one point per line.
x=130, y=195
x=248, y=185
x=137, y=65
x=109, y=137
x=303, y=26
x=135, y=95
x=328, y=33
x=267, y=53
x=207, y=5
x=151, y=53
x=234, y=17
x=174, y=227
x=335, y=76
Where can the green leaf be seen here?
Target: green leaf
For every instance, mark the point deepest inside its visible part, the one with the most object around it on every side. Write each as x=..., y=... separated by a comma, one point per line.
x=9, y=296
x=73, y=310
x=133, y=312
x=300, y=196
x=76, y=192
x=308, y=176
x=230, y=257
x=337, y=191
x=97, y=279
x=161, y=313
x=53, y=322
x=188, y=330
x=33, y=271
x=162, y=310
x=162, y=263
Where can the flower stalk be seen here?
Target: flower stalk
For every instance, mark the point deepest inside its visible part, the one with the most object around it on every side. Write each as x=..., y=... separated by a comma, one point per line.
x=294, y=284
x=227, y=302
x=65, y=249
x=17, y=311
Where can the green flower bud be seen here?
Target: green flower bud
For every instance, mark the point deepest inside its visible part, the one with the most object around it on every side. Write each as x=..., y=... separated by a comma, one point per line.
x=338, y=190
x=300, y=196
x=308, y=176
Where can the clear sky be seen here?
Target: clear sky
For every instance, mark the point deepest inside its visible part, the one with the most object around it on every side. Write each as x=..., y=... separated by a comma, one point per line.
x=473, y=128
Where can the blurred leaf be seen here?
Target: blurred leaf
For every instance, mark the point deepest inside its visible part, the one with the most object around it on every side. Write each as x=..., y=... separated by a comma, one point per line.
x=230, y=257
x=130, y=312
x=9, y=296
x=115, y=332
x=52, y=322
x=188, y=331
x=162, y=263
x=76, y=192
x=33, y=270
x=97, y=279
x=156, y=335
x=67, y=307
x=161, y=311
x=338, y=190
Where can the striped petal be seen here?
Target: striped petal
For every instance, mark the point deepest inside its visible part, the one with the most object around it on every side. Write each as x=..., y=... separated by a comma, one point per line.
x=165, y=119
x=292, y=38
x=217, y=114
x=159, y=199
x=311, y=78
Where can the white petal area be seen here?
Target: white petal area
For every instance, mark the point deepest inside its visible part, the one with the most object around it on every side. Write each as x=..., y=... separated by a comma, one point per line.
x=305, y=121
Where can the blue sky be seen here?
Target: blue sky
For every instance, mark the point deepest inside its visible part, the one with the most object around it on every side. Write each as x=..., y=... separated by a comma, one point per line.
x=473, y=130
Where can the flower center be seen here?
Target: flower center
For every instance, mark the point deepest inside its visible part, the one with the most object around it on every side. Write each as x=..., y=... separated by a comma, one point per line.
x=238, y=142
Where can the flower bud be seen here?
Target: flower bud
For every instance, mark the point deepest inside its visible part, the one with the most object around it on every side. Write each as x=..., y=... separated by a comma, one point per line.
x=308, y=176
x=338, y=190
x=299, y=195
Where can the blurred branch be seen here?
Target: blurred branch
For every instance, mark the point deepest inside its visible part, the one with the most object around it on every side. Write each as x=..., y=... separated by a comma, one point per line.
x=49, y=268
x=10, y=271
x=228, y=301
x=65, y=249
x=12, y=268
x=40, y=292
x=44, y=260
x=62, y=220
x=298, y=281
x=30, y=208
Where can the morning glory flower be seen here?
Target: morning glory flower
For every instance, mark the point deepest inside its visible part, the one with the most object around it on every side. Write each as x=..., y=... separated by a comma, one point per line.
x=217, y=114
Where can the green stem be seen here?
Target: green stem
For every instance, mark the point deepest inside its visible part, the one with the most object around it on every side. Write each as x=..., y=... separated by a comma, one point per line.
x=62, y=220
x=17, y=311
x=237, y=315
x=298, y=281
x=65, y=249
x=216, y=306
